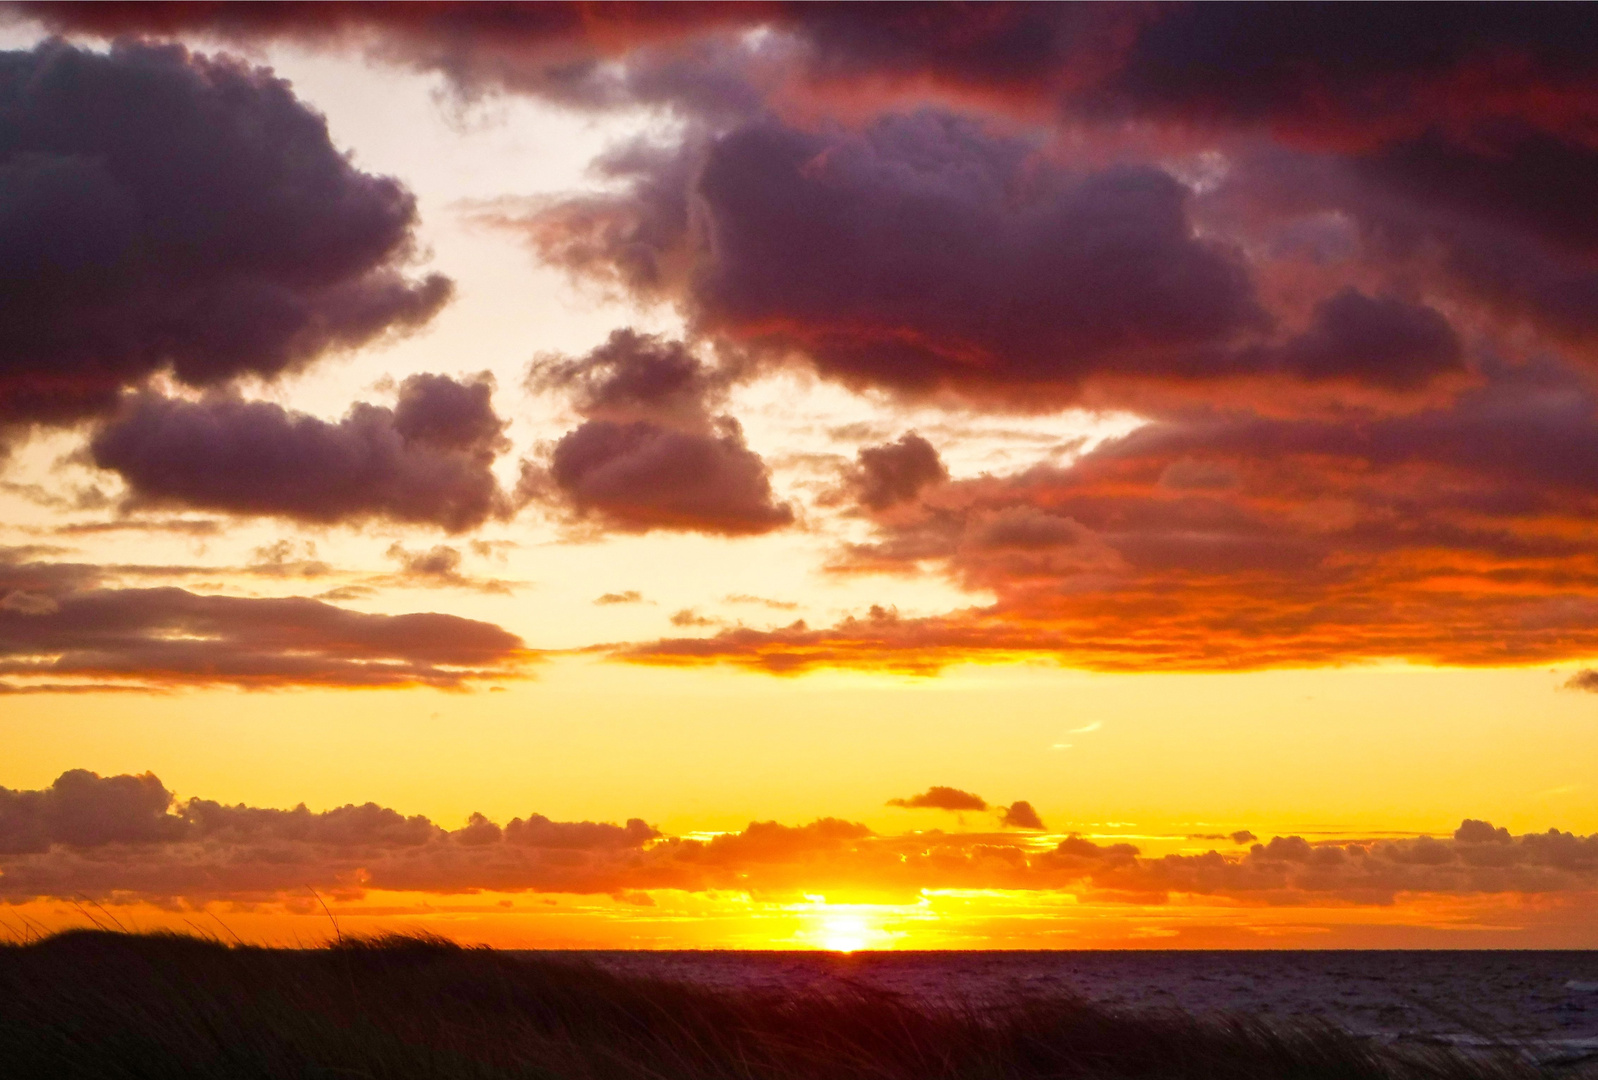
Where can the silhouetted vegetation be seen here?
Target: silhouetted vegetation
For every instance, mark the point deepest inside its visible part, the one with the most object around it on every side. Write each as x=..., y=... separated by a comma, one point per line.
x=97, y=1004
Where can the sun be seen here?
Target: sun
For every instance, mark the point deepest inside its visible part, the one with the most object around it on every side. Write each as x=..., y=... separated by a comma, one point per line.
x=844, y=933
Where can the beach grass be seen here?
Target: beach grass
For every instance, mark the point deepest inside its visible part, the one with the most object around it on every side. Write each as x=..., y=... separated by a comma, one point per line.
x=113, y=1005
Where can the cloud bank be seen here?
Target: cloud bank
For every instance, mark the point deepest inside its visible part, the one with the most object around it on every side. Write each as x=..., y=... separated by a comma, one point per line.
x=125, y=838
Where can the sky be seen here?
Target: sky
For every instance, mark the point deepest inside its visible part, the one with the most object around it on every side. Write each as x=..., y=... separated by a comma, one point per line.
x=801, y=476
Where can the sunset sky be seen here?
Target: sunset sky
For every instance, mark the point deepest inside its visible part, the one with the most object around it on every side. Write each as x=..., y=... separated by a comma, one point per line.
x=798, y=476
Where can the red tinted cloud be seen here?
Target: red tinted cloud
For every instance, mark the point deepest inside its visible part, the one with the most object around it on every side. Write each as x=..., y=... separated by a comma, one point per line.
x=425, y=461
x=60, y=629
x=1215, y=541
x=126, y=838
x=163, y=210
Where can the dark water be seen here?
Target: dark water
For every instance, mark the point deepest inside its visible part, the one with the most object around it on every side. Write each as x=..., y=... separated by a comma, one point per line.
x=1547, y=999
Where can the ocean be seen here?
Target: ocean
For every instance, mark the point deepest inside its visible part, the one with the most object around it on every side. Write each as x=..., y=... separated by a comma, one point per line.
x=1545, y=1003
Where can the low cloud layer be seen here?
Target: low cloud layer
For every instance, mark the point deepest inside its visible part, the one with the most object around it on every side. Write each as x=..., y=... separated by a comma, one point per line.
x=426, y=461
x=62, y=628
x=125, y=838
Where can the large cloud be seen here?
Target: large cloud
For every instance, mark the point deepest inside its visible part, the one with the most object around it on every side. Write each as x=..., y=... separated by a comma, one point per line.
x=165, y=210
x=427, y=460
x=923, y=253
x=652, y=453
x=61, y=628
x=125, y=838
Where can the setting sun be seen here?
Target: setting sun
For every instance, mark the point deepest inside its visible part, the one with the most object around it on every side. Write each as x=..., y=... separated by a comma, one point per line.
x=844, y=933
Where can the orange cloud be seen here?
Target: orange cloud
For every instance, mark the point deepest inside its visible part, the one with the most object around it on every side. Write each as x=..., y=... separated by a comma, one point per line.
x=1205, y=541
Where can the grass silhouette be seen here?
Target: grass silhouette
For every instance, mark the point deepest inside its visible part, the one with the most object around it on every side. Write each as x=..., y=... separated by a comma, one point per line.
x=114, y=1005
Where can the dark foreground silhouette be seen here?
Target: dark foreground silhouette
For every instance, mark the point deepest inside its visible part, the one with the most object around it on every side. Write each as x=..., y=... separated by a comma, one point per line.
x=96, y=1004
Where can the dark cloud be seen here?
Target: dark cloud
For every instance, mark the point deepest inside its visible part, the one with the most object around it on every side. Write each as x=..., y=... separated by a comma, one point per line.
x=640, y=477
x=83, y=810
x=125, y=838
x=1383, y=341
x=1585, y=679
x=425, y=461
x=631, y=596
x=652, y=454
x=1020, y=815
x=59, y=624
x=1242, y=836
x=925, y=253
x=1375, y=74
x=161, y=210
x=897, y=471
x=634, y=377
x=942, y=798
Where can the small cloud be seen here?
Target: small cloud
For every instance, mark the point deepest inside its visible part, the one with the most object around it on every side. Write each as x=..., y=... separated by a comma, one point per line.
x=745, y=598
x=1090, y=727
x=942, y=798
x=1060, y=746
x=346, y=592
x=1585, y=679
x=1020, y=815
x=440, y=561
x=690, y=617
x=1243, y=836
x=631, y=596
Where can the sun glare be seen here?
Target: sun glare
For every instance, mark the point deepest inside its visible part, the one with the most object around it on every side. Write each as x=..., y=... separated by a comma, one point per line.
x=844, y=933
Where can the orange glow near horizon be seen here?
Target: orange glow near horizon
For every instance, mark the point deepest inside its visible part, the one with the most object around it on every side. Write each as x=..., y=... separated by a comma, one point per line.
x=942, y=920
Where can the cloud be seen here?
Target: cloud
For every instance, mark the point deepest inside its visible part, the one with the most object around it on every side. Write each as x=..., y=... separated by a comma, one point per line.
x=942, y=798
x=1242, y=836
x=651, y=455
x=690, y=617
x=428, y=460
x=632, y=377
x=631, y=596
x=162, y=210
x=434, y=567
x=745, y=598
x=61, y=627
x=897, y=471
x=126, y=838
x=1585, y=679
x=1228, y=540
x=925, y=253
x=640, y=477
x=1383, y=341
x=1020, y=815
